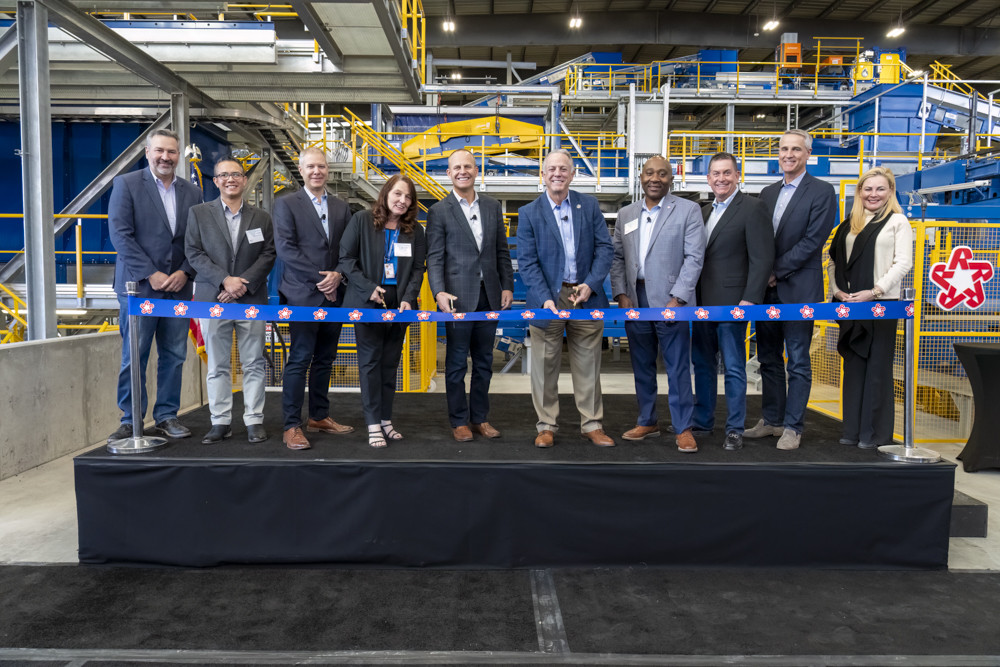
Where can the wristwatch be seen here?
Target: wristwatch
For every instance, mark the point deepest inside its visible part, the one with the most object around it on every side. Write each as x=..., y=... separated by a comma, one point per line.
x=877, y=292
x=681, y=302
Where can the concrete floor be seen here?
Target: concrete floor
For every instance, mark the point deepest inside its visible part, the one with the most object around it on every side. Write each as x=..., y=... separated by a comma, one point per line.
x=38, y=507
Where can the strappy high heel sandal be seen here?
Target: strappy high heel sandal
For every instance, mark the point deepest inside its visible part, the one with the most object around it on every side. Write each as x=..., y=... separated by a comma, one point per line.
x=390, y=432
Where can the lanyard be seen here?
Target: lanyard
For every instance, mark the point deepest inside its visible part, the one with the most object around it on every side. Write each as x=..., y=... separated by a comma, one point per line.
x=390, y=246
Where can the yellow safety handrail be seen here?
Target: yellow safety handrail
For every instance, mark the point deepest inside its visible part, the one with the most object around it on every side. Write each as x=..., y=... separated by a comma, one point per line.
x=411, y=15
x=948, y=80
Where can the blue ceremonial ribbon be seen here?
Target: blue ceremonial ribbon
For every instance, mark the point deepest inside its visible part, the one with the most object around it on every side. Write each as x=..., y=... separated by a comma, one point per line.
x=785, y=312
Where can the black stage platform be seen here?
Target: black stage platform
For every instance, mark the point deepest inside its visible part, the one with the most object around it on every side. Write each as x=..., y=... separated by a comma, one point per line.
x=428, y=501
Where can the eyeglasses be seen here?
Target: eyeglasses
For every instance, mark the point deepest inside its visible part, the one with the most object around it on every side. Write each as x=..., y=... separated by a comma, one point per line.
x=231, y=174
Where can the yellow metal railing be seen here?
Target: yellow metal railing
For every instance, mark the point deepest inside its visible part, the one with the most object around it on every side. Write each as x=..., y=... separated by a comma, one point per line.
x=943, y=396
x=411, y=15
x=945, y=78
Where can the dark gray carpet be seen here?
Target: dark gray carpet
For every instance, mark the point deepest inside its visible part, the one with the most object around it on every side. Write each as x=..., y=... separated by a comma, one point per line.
x=422, y=418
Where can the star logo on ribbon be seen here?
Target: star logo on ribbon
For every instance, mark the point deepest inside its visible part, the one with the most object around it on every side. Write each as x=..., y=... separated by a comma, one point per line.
x=527, y=314
x=807, y=311
x=910, y=309
x=668, y=314
x=146, y=307
x=215, y=311
x=597, y=314
x=773, y=313
x=180, y=309
x=252, y=312
x=458, y=316
x=632, y=314
x=878, y=310
x=319, y=314
x=843, y=311
x=961, y=279
x=701, y=314
x=737, y=313
x=354, y=315
x=564, y=314
x=423, y=315
x=284, y=313
x=492, y=316
x=388, y=316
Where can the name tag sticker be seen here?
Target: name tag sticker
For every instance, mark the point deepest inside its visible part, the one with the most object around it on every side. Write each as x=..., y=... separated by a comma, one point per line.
x=631, y=226
x=255, y=235
x=403, y=250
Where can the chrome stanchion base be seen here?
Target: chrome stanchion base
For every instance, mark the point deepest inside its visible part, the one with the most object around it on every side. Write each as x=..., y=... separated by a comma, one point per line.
x=908, y=455
x=136, y=445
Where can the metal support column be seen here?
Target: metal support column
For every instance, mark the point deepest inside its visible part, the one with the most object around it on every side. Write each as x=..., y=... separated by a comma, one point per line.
x=730, y=126
x=267, y=181
x=907, y=452
x=179, y=121
x=36, y=168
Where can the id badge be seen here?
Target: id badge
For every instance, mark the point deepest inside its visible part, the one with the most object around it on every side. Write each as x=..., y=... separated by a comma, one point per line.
x=390, y=270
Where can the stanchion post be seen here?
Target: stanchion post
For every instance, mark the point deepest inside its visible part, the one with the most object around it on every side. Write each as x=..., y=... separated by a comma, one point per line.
x=137, y=444
x=907, y=452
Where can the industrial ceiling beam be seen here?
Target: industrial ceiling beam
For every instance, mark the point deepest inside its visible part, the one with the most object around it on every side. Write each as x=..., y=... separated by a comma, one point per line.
x=103, y=39
x=318, y=31
x=690, y=29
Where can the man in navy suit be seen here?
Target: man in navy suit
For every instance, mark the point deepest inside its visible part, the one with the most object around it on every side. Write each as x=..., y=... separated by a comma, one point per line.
x=739, y=254
x=564, y=255
x=147, y=218
x=307, y=230
x=803, y=212
x=469, y=269
x=230, y=244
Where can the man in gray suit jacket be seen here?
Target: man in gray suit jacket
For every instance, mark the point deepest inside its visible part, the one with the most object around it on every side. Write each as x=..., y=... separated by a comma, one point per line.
x=469, y=269
x=739, y=253
x=147, y=216
x=659, y=245
x=231, y=246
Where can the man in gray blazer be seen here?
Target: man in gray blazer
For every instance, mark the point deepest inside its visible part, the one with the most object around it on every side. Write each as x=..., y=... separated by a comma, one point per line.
x=739, y=253
x=659, y=244
x=147, y=216
x=469, y=269
x=803, y=213
x=307, y=229
x=230, y=244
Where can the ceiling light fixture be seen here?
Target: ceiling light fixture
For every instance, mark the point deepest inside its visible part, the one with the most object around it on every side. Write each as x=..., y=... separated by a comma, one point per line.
x=773, y=23
x=448, y=25
x=456, y=76
x=898, y=29
x=576, y=22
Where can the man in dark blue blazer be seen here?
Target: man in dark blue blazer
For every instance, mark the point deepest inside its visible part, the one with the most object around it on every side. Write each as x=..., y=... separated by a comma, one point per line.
x=803, y=212
x=469, y=269
x=739, y=255
x=307, y=229
x=564, y=255
x=147, y=218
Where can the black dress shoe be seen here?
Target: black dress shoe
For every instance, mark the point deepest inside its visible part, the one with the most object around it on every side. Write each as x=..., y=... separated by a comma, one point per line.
x=217, y=433
x=734, y=441
x=256, y=433
x=124, y=431
x=172, y=428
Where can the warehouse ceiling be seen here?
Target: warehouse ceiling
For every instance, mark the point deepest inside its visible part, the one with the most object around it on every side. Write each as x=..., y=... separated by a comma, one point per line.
x=962, y=33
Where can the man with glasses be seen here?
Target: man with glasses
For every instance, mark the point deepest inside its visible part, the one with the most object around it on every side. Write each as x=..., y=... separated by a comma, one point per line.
x=230, y=244
x=147, y=216
x=564, y=255
x=307, y=229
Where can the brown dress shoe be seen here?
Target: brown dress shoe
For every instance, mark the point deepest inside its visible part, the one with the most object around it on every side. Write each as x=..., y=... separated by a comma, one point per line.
x=642, y=432
x=295, y=439
x=545, y=439
x=685, y=442
x=599, y=438
x=485, y=430
x=327, y=425
x=462, y=433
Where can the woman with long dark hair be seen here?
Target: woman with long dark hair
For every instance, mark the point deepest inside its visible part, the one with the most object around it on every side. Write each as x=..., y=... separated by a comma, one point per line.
x=871, y=253
x=382, y=254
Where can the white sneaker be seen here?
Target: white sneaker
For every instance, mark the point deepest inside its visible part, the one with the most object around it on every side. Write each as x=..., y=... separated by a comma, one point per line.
x=762, y=430
x=789, y=439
